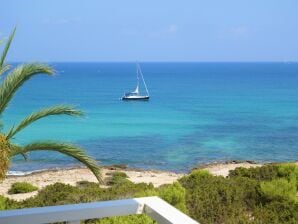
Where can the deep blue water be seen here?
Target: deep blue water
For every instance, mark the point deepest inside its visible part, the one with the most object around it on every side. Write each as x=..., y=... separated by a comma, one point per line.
x=198, y=113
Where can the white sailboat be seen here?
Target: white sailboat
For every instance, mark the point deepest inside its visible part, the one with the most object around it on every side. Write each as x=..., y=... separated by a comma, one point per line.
x=136, y=94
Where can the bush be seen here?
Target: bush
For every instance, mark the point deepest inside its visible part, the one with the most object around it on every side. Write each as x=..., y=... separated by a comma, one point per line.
x=55, y=194
x=213, y=199
x=21, y=187
x=117, y=178
x=255, y=195
x=279, y=189
x=6, y=203
x=85, y=184
x=266, y=172
x=2, y=203
x=289, y=171
x=196, y=176
x=276, y=213
x=127, y=190
x=130, y=219
x=174, y=194
x=119, y=174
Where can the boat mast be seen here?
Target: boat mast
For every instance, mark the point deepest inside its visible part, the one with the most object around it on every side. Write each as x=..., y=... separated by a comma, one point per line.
x=140, y=72
x=138, y=82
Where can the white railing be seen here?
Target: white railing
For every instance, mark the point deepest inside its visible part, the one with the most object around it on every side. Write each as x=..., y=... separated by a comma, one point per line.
x=156, y=208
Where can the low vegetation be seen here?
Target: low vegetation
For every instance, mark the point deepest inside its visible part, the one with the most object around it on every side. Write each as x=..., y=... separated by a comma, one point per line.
x=21, y=187
x=117, y=178
x=266, y=194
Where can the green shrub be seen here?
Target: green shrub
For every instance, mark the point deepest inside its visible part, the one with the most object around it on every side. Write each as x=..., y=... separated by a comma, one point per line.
x=289, y=171
x=266, y=172
x=55, y=194
x=127, y=190
x=276, y=213
x=255, y=195
x=194, y=178
x=174, y=194
x=21, y=187
x=85, y=184
x=2, y=203
x=147, y=193
x=213, y=199
x=279, y=189
x=130, y=219
x=119, y=174
x=117, y=178
x=6, y=203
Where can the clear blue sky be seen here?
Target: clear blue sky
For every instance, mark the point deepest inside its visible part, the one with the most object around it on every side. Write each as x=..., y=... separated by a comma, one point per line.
x=155, y=30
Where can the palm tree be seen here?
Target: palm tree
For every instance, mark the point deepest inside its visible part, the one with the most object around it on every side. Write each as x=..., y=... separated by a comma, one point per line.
x=14, y=79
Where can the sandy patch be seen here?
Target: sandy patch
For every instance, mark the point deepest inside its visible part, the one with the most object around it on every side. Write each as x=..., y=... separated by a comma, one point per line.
x=72, y=176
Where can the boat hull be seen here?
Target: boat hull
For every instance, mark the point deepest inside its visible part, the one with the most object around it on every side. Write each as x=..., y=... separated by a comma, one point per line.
x=135, y=98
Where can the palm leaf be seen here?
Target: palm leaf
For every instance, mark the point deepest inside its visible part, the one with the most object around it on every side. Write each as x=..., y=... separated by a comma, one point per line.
x=56, y=110
x=6, y=48
x=64, y=148
x=17, y=150
x=3, y=69
x=17, y=77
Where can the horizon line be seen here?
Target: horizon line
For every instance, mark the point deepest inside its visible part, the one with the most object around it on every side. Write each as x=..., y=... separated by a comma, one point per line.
x=174, y=61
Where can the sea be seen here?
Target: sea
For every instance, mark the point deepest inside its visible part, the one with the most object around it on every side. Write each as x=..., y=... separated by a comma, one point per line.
x=198, y=113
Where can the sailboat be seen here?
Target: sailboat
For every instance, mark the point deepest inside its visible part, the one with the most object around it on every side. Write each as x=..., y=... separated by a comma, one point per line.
x=136, y=94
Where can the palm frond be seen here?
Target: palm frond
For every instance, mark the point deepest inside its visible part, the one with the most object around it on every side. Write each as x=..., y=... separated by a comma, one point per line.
x=3, y=69
x=6, y=48
x=17, y=150
x=64, y=148
x=55, y=110
x=17, y=77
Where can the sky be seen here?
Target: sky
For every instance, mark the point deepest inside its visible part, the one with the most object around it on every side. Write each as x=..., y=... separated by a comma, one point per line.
x=155, y=30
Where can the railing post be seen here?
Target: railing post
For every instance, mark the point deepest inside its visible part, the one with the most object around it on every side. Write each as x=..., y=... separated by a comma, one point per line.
x=164, y=213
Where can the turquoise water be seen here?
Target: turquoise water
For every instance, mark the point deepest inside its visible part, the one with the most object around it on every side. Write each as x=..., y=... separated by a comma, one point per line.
x=198, y=113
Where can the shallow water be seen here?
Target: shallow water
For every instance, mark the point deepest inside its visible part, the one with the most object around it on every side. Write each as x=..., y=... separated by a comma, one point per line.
x=198, y=113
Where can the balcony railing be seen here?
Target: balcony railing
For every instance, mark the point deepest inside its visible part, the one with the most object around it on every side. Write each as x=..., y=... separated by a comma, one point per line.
x=156, y=208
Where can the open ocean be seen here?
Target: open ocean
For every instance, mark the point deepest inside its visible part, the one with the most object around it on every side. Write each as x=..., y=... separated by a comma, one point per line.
x=198, y=113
